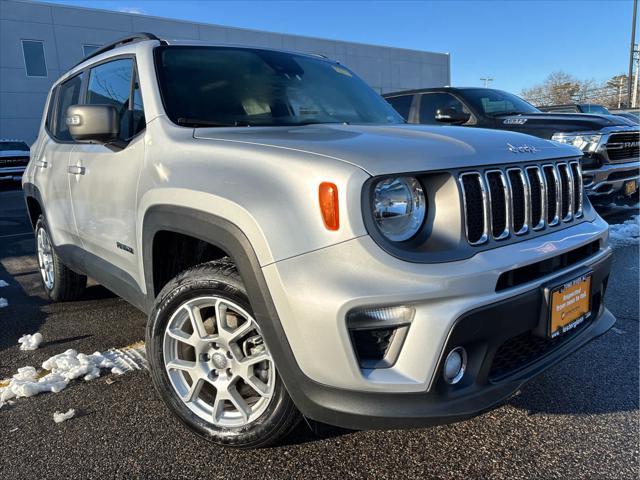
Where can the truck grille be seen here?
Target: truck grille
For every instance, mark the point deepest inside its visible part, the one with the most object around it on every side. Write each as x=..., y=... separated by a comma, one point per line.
x=623, y=146
x=516, y=200
x=13, y=161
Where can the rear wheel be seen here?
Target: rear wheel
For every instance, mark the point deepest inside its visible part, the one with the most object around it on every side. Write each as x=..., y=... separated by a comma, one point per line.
x=210, y=364
x=59, y=281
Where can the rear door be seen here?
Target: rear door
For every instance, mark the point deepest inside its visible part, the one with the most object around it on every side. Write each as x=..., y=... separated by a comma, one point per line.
x=104, y=177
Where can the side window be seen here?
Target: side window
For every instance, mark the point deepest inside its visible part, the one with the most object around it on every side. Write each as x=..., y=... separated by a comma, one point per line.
x=68, y=95
x=115, y=83
x=110, y=84
x=402, y=104
x=430, y=103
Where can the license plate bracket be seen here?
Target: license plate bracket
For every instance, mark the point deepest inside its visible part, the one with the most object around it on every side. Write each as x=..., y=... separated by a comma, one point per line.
x=569, y=305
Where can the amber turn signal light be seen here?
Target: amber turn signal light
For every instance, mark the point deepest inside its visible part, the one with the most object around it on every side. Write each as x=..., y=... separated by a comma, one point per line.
x=328, y=195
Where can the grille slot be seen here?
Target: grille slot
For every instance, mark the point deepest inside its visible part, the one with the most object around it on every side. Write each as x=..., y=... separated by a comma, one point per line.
x=519, y=201
x=553, y=194
x=623, y=146
x=498, y=202
x=578, y=187
x=566, y=192
x=538, y=194
x=475, y=200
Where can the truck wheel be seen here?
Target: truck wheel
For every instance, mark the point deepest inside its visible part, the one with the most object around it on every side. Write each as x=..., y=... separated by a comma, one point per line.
x=209, y=362
x=59, y=281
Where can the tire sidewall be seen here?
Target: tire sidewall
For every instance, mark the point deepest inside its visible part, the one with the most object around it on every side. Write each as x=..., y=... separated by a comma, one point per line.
x=41, y=223
x=168, y=302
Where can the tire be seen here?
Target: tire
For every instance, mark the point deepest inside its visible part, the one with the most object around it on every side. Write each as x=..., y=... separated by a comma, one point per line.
x=59, y=282
x=200, y=335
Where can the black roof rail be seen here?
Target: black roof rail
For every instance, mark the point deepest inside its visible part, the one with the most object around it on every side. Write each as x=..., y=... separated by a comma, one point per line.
x=134, y=37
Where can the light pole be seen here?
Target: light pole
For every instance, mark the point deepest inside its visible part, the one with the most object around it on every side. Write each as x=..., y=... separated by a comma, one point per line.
x=486, y=80
x=633, y=45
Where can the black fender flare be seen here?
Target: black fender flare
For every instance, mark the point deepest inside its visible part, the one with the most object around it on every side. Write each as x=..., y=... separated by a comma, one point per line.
x=31, y=191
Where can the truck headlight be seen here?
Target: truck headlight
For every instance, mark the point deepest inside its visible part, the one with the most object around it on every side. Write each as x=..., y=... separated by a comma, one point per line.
x=587, y=142
x=399, y=207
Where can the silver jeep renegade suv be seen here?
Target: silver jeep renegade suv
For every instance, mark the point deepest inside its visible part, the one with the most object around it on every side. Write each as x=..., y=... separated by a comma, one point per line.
x=302, y=251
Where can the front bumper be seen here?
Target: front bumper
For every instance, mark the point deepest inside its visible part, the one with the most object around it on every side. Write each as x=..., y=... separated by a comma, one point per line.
x=312, y=294
x=610, y=178
x=11, y=173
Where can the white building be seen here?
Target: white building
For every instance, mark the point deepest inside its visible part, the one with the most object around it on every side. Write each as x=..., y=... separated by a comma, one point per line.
x=40, y=41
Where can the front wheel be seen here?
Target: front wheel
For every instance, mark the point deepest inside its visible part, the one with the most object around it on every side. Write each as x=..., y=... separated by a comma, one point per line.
x=210, y=363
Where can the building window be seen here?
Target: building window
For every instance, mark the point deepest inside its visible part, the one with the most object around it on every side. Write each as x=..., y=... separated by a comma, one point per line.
x=89, y=49
x=34, y=61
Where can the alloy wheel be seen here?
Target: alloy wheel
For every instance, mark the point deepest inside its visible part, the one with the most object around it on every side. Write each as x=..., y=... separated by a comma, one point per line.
x=217, y=362
x=45, y=258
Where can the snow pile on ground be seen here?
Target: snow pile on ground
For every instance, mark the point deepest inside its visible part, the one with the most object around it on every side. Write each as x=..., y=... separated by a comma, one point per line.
x=627, y=233
x=60, y=417
x=30, y=342
x=3, y=302
x=3, y=284
x=623, y=206
x=61, y=369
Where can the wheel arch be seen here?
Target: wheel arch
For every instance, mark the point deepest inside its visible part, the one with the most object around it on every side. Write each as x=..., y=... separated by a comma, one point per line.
x=33, y=199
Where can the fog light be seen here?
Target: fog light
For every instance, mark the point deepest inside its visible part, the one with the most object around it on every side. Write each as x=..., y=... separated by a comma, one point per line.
x=377, y=333
x=455, y=365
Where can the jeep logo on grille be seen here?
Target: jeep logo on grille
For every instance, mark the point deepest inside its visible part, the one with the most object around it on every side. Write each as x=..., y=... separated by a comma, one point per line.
x=522, y=148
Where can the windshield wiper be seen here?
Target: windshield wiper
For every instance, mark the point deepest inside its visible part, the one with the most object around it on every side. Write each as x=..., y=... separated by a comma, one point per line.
x=196, y=122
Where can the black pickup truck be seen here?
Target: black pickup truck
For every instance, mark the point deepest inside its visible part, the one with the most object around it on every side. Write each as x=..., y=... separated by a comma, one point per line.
x=611, y=144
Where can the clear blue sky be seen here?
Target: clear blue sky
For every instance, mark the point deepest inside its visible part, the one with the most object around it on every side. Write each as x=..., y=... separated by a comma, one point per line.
x=516, y=42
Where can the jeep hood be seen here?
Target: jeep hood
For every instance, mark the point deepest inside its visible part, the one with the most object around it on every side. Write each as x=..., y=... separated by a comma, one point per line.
x=385, y=149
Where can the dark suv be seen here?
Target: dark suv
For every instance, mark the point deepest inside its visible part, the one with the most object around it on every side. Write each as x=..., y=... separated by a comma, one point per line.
x=610, y=144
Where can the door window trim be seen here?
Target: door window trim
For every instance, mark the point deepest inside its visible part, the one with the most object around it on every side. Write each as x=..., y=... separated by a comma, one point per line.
x=83, y=94
x=417, y=105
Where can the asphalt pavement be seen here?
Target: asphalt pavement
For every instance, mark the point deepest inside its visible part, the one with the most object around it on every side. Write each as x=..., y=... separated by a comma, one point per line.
x=578, y=420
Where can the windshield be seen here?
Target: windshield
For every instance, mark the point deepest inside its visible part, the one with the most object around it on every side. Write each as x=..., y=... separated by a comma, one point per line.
x=7, y=146
x=496, y=102
x=592, y=108
x=227, y=86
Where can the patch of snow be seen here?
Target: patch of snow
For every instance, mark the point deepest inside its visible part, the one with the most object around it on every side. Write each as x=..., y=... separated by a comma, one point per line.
x=623, y=206
x=61, y=368
x=30, y=342
x=627, y=233
x=3, y=302
x=60, y=417
x=3, y=284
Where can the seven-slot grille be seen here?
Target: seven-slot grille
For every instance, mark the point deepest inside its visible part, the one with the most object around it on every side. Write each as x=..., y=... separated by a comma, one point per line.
x=516, y=200
x=623, y=146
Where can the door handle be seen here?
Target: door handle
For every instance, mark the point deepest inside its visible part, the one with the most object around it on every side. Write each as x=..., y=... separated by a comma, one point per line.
x=76, y=170
x=41, y=163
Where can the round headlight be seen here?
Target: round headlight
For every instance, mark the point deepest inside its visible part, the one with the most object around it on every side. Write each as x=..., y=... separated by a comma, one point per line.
x=399, y=207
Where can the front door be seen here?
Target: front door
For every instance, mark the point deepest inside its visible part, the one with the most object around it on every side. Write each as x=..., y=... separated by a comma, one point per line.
x=51, y=161
x=104, y=178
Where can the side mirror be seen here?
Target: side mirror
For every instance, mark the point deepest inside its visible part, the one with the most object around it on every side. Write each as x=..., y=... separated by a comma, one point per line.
x=98, y=123
x=452, y=115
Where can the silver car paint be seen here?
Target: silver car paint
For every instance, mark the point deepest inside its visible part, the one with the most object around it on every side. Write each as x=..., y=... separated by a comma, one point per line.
x=265, y=181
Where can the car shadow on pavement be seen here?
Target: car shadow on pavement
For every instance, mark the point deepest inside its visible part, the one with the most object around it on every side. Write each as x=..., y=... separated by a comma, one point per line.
x=23, y=314
x=595, y=380
x=309, y=431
